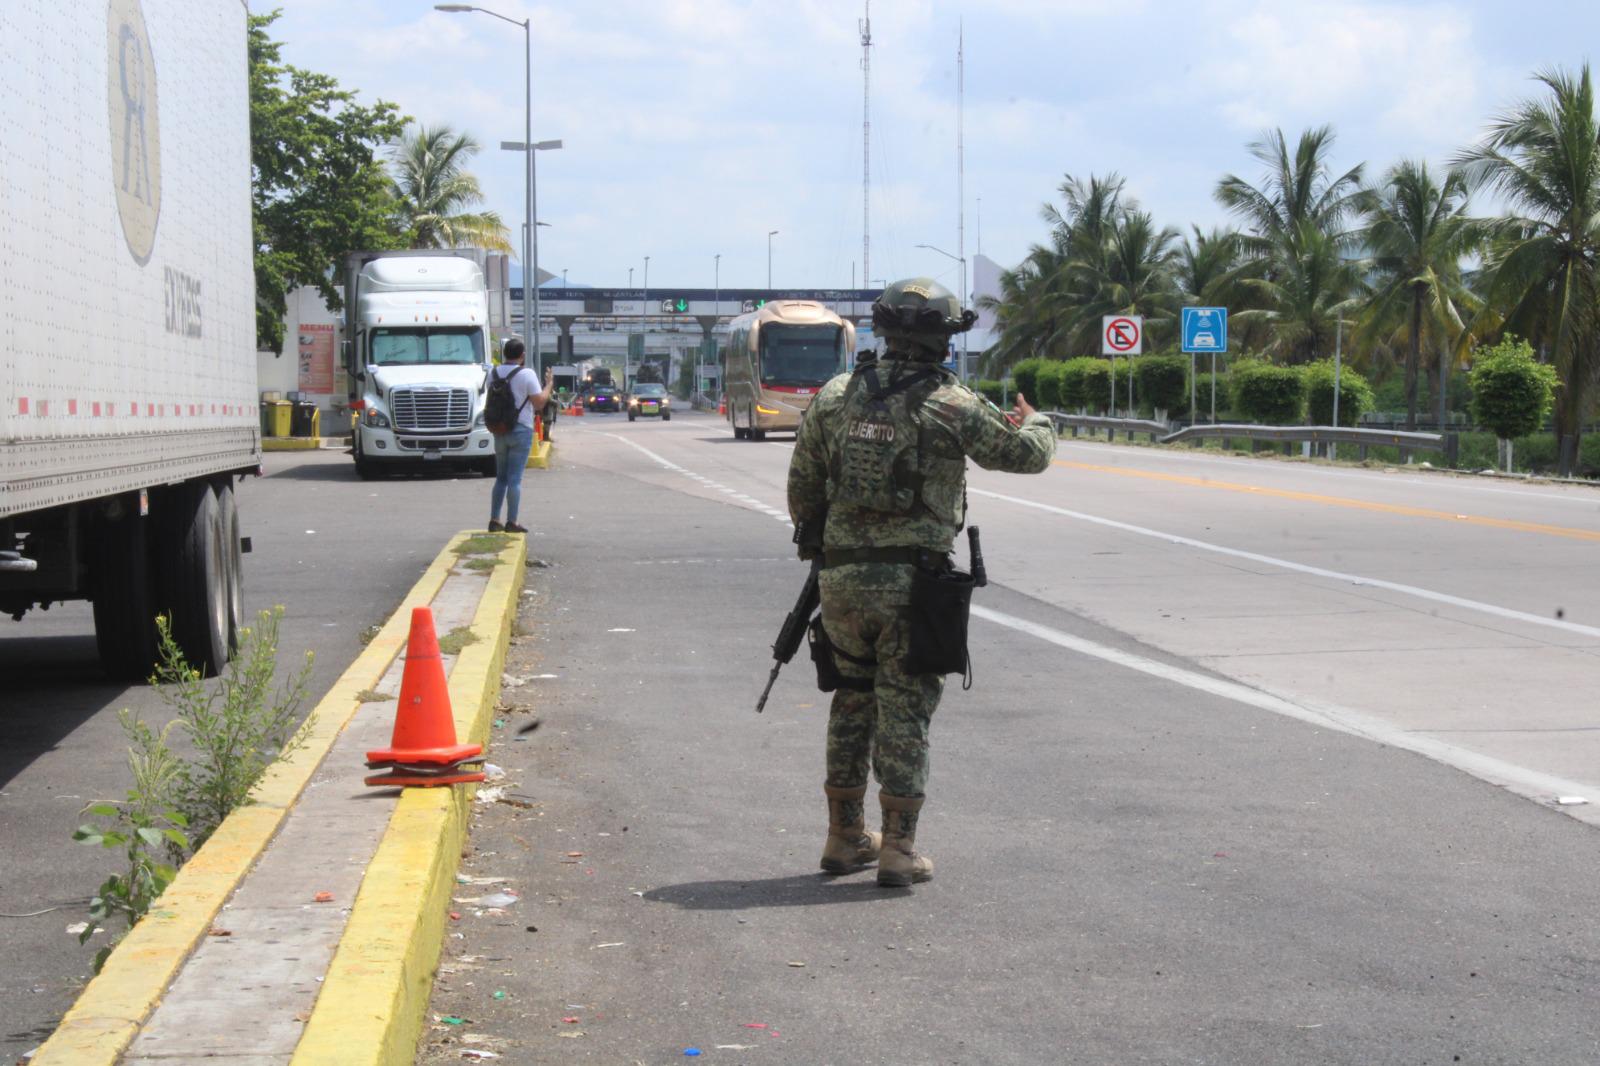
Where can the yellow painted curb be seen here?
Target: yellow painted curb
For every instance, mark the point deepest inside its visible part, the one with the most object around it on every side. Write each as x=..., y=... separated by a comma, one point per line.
x=539, y=457
x=374, y=996
x=290, y=444
x=108, y=1013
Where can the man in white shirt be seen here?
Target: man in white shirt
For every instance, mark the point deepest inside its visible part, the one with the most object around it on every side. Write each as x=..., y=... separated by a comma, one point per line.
x=511, y=449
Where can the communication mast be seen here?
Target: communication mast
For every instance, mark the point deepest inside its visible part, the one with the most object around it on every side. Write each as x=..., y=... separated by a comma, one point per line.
x=865, y=26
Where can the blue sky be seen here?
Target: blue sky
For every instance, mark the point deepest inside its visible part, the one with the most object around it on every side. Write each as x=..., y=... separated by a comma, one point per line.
x=692, y=127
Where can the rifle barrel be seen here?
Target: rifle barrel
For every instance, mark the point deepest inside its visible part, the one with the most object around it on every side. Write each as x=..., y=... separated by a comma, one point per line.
x=771, y=679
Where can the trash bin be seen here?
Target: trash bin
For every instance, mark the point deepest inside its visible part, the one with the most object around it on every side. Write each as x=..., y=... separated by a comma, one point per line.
x=276, y=417
x=306, y=421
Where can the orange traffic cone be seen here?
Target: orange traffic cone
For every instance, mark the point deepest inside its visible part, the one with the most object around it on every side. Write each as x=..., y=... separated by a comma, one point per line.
x=722, y=407
x=423, y=750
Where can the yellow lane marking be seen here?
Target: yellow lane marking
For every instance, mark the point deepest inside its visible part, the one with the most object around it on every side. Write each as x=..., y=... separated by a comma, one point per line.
x=1340, y=501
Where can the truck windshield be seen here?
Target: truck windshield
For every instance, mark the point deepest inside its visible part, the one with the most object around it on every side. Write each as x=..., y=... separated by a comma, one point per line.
x=800, y=355
x=406, y=347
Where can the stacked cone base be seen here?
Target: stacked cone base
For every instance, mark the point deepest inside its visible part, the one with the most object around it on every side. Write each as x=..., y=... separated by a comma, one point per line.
x=421, y=775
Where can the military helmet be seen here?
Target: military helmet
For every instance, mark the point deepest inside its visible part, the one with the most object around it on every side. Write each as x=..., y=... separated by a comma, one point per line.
x=919, y=312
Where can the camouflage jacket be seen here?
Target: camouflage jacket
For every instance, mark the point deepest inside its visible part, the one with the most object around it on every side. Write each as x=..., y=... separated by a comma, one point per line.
x=958, y=423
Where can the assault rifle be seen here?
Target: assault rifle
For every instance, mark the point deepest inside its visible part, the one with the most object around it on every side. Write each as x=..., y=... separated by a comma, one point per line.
x=793, y=633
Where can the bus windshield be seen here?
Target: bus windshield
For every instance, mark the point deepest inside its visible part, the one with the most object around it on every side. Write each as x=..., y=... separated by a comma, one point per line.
x=801, y=355
x=408, y=347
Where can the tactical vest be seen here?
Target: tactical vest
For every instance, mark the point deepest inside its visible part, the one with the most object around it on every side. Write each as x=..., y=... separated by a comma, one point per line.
x=890, y=458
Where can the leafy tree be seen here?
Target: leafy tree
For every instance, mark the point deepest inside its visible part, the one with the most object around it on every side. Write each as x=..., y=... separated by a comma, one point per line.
x=318, y=189
x=1417, y=232
x=1355, y=395
x=1543, y=158
x=1512, y=392
x=435, y=191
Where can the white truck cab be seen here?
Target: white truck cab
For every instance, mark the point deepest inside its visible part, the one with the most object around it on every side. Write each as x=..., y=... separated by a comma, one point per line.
x=418, y=353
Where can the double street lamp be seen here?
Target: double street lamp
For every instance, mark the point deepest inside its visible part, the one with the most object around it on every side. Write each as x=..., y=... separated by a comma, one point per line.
x=963, y=261
x=530, y=258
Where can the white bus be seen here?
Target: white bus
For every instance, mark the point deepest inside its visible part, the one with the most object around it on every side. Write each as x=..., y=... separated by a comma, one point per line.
x=775, y=361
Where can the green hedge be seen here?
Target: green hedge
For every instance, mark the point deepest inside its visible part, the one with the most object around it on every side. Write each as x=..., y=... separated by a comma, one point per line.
x=1048, y=384
x=1355, y=394
x=1026, y=377
x=1085, y=384
x=1266, y=394
x=1162, y=382
x=989, y=390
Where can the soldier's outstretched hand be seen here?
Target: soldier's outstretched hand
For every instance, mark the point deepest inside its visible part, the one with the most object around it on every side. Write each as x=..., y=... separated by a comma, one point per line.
x=1023, y=409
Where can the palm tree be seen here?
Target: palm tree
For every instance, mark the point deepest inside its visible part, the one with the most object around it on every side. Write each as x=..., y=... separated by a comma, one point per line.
x=1298, y=196
x=1417, y=232
x=435, y=192
x=1295, y=221
x=1306, y=287
x=1543, y=158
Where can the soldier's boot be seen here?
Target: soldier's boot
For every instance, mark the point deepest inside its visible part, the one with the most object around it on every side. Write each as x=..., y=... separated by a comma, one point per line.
x=898, y=862
x=851, y=845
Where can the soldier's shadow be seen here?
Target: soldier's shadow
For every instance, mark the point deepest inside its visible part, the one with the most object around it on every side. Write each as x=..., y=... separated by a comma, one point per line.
x=795, y=890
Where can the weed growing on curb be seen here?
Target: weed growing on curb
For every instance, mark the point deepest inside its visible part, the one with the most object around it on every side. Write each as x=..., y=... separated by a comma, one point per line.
x=237, y=724
x=372, y=695
x=369, y=634
x=140, y=825
x=488, y=563
x=452, y=642
x=483, y=544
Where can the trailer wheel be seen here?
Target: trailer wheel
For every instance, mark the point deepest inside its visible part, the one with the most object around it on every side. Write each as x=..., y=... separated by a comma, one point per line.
x=124, y=600
x=194, y=576
x=229, y=506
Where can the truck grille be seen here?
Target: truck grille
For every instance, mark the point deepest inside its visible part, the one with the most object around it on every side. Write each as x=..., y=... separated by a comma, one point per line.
x=431, y=408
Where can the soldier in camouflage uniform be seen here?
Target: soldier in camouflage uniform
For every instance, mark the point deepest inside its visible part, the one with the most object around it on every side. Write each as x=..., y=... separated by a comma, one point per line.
x=882, y=454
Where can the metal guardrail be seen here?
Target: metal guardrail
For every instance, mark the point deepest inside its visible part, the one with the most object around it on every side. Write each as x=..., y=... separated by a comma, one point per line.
x=1163, y=433
x=1447, y=443
x=1111, y=425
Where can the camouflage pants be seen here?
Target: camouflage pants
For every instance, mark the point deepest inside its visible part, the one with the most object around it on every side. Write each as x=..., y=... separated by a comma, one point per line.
x=884, y=730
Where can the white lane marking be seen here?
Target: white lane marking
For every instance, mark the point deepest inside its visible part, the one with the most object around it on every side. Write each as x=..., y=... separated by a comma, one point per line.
x=1457, y=483
x=1315, y=571
x=1518, y=779
x=749, y=501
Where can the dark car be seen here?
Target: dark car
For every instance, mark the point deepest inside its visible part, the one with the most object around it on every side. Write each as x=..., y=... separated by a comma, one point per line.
x=602, y=398
x=650, y=400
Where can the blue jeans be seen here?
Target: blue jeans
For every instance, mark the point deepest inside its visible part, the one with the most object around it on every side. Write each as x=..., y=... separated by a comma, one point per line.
x=510, y=460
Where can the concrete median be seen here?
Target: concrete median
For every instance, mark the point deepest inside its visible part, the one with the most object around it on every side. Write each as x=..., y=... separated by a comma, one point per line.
x=160, y=996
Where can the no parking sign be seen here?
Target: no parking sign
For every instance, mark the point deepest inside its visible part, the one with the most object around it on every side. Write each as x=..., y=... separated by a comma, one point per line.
x=1121, y=334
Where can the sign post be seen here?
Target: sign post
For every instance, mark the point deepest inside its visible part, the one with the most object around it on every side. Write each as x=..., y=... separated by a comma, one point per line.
x=1121, y=335
x=1204, y=329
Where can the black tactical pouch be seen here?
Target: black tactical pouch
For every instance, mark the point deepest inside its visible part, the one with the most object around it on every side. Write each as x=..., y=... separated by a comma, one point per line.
x=940, y=603
x=825, y=656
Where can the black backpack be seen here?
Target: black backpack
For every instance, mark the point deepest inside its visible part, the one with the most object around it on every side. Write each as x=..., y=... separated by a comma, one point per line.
x=500, y=410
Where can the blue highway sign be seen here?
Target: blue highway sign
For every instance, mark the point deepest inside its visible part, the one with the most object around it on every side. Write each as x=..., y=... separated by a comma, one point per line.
x=1205, y=329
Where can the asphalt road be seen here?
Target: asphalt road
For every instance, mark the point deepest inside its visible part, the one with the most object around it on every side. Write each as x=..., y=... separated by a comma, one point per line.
x=336, y=552
x=1260, y=766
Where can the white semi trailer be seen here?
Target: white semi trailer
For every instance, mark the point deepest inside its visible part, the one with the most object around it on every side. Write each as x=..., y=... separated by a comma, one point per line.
x=128, y=401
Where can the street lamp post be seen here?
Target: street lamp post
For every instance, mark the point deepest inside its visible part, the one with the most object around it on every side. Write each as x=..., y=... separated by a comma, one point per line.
x=963, y=261
x=770, y=234
x=644, y=309
x=530, y=252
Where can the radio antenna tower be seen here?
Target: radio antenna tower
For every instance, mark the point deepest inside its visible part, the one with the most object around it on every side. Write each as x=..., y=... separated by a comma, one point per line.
x=865, y=26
